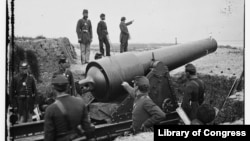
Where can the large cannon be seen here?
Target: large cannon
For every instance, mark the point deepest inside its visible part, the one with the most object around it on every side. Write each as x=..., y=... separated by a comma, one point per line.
x=113, y=104
x=104, y=76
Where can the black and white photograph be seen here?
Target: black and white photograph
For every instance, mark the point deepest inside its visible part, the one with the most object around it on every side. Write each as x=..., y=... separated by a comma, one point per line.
x=124, y=70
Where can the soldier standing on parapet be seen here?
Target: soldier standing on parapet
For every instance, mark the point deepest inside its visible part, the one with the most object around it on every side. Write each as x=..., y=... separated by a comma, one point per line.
x=23, y=93
x=84, y=34
x=124, y=35
x=102, y=32
x=64, y=70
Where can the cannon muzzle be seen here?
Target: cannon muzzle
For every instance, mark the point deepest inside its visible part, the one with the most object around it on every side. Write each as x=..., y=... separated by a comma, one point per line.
x=107, y=74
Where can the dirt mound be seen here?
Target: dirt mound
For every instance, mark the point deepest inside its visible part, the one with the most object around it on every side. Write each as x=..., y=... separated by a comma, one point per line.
x=47, y=52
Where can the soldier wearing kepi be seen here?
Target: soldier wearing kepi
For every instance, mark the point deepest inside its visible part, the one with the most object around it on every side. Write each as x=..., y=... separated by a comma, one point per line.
x=66, y=118
x=145, y=112
x=102, y=32
x=205, y=115
x=23, y=93
x=193, y=92
x=64, y=70
x=124, y=35
x=84, y=34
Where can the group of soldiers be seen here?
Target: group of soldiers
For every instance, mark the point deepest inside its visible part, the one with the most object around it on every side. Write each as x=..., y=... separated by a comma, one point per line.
x=85, y=36
x=23, y=91
x=66, y=116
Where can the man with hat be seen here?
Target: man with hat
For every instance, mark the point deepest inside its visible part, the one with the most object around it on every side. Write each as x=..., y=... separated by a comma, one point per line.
x=205, y=115
x=66, y=118
x=193, y=92
x=63, y=69
x=102, y=32
x=124, y=35
x=23, y=93
x=84, y=34
x=145, y=112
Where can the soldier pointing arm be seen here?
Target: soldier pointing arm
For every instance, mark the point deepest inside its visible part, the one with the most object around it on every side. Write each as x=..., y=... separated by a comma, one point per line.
x=124, y=35
x=145, y=112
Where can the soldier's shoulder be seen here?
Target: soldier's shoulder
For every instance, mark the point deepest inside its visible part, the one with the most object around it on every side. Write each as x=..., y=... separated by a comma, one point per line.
x=100, y=22
x=51, y=107
x=78, y=99
x=31, y=76
x=190, y=83
x=148, y=100
x=80, y=20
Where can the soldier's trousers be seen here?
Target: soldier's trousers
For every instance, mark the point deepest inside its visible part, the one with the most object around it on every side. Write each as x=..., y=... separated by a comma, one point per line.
x=124, y=46
x=85, y=52
x=25, y=118
x=107, y=45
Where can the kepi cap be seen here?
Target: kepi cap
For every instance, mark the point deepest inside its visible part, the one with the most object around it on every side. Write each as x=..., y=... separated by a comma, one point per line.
x=59, y=80
x=85, y=11
x=206, y=113
x=102, y=15
x=123, y=18
x=190, y=68
x=141, y=80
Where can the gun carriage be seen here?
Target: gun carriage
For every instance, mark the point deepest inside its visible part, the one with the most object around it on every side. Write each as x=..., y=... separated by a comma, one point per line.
x=113, y=105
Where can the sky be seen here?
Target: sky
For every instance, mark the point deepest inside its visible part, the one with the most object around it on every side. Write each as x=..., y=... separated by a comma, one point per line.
x=155, y=21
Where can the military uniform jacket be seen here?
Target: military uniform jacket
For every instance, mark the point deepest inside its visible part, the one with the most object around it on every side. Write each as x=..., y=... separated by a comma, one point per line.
x=102, y=30
x=23, y=93
x=84, y=31
x=69, y=75
x=124, y=35
x=55, y=123
x=146, y=112
x=190, y=101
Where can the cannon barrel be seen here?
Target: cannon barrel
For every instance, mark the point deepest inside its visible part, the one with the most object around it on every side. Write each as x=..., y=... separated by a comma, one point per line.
x=106, y=75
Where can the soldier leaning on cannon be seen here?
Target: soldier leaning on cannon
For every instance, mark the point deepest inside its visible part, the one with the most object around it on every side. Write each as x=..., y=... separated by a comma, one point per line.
x=145, y=112
x=64, y=70
x=23, y=93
